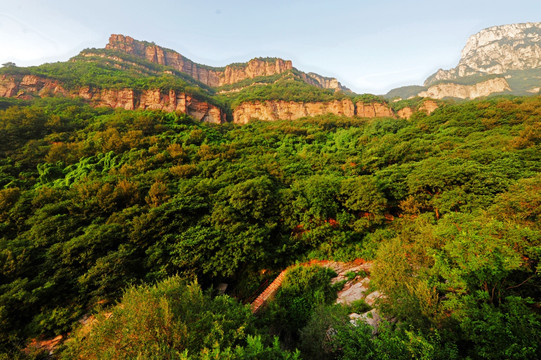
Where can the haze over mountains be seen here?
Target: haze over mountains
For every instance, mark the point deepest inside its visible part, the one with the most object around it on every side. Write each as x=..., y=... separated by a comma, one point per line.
x=147, y=76
x=499, y=59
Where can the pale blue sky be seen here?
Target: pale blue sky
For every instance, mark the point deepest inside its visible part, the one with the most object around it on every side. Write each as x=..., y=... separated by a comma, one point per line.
x=370, y=46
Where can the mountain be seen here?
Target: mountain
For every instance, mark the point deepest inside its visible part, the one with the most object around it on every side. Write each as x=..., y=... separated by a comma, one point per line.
x=499, y=59
x=133, y=74
x=139, y=232
x=215, y=76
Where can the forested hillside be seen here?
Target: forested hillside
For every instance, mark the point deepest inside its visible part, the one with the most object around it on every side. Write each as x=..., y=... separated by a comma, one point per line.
x=153, y=209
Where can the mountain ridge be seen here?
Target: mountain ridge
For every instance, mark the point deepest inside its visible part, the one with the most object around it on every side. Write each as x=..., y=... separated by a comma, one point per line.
x=132, y=74
x=509, y=53
x=496, y=50
x=215, y=76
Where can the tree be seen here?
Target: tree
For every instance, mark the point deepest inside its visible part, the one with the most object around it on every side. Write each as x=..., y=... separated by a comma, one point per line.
x=173, y=319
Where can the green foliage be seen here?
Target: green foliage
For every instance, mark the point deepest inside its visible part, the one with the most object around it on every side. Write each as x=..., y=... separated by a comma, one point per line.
x=303, y=289
x=170, y=320
x=317, y=338
x=405, y=92
x=358, y=342
x=368, y=99
x=93, y=200
x=359, y=306
x=286, y=88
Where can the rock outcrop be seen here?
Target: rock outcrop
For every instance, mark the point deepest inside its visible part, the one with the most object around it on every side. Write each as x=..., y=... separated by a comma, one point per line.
x=405, y=113
x=373, y=109
x=323, y=82
x=498, y=59
x=214, y=76
x=427, y=106
x=159, y=55
x=496, y=50
x=130, y=99
x=22, y=86
x=483, y=88
x=289, y=110
x=30, y=86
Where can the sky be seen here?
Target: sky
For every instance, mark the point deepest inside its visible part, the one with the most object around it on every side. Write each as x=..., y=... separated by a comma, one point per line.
x=369, y=46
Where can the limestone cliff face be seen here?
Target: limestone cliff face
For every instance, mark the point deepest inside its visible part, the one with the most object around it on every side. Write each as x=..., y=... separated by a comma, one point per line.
x=254, y=68
x=405, y=113
x=428, y=107
x=483, y=88
x=130, y=99
x=213, y=76
x=372, y=110
x=22, y=86
x=496, y=50
x=289, y=110
x=324, y=82
x=159, y=55
x=207, y=75
x=30, y=86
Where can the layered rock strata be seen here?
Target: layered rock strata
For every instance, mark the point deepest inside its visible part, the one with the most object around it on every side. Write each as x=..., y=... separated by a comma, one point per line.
x=483, y=88
x=214, y=76
x=23, y=86
x=289, y=110
x=30, y=86
x=428, y=107
x=496, y=50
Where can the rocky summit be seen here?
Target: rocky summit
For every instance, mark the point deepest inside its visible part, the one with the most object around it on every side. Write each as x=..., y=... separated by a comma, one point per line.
x=500, y=59
x=496, y=51
x=214, y=76
x=138, y=75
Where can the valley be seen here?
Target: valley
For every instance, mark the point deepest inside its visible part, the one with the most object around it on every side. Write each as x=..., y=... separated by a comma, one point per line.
x=155, y=208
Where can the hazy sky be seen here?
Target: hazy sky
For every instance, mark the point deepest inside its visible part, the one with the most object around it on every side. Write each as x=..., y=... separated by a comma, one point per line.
x=370, y=46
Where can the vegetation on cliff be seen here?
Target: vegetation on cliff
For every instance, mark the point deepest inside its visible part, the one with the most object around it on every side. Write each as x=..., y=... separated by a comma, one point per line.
x=113, y=69
x=287, y=89
x=113, y=72
x=93, y=201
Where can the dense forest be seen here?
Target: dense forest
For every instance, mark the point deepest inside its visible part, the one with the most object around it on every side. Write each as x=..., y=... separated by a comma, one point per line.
x=134, y=217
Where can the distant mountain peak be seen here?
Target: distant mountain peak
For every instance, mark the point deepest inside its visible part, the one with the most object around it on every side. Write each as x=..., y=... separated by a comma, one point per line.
x=214, y=76
x=503, y=59
x=496, y=50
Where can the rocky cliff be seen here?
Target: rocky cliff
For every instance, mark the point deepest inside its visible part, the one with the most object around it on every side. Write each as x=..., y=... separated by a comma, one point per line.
x=496, y=50
x=372, y=110
x=289, y=110
x=483, y=88
x=214, y=76
x=498, y=59
x=427, y=106
x=27, y=86
x=159, y=55
x=155, y=99
x=30, y=86
x=323, y=82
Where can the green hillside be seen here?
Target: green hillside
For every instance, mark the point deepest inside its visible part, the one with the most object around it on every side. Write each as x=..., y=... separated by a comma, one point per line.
x=109, y=69
x=151, y=210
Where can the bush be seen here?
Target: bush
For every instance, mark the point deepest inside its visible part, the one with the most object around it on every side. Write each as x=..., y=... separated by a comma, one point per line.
x=170, y=320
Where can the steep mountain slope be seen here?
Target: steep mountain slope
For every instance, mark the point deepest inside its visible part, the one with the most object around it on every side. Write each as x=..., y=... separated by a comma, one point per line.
x=499, y=59
x=496, y=51
x=132, y=74
x=214, y=76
